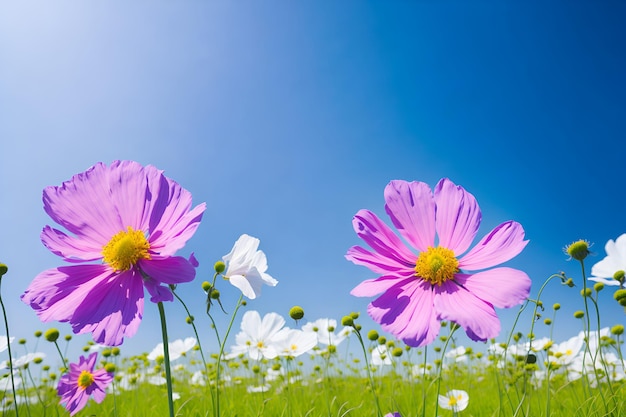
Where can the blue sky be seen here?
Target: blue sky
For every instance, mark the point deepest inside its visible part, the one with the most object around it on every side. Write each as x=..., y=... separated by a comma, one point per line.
x=289, y=117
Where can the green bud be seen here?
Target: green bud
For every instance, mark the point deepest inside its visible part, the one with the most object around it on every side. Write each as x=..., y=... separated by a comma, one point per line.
x=296, y=313
x=68, y=337
x=215, y=294
x=51, y=335
x=372, y=335
x=618, y=329
x=22, y=341
x=382, y=340
x=109, y=367
x=547, y=322
x=358, y=327
x=569, y=282
x=556, y=306
x=578, y=250
x=3, y=269
x=189, y=319
x=579, y=314
x=206, y=286
x=220, y=267
x=115, y=351
x=38, y=360
x=619, y=276
x=106, y=353
x=396, y=352
x=619, y=294
x=598, y=286
x=354, y=315
x=347, y=321
x=38, y=333
x=585, y=292
x=244, y=303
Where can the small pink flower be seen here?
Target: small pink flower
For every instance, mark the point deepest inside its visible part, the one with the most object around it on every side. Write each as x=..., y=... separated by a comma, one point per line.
x=418, y=291
x=82, y=382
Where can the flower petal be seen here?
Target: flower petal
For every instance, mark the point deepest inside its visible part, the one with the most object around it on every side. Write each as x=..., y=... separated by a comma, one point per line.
x=406, y=311
x=83, y=205
x=55, y=293
x=113, y=310
x=70, y=248
x=251, y=324
x=373, y=287
x=455, y=303
x=501, y=287
x=457, y=216
x=377, y=263
x=158, y=293
x=500, y=245
x=171, y=270
x=382, y=239
x=411, y=207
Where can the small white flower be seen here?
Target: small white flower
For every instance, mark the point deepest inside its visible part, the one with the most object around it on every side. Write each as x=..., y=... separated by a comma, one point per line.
x=615, y=260
x=177, y=348
x=381, y=356
x=325, y=331
x=455, y=400
x=258, y=337
x=246, y=266
x=293, y=342
x=4, y=343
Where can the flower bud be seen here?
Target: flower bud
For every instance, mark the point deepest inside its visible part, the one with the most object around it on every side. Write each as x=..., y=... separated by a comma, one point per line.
x=619, y=294
x=296, y=313
x=619, y=276
x=215, y=294
x=396, y=352
x=598, y=286
x=578, y=250
x=585, y=292
x=3, y=269
x=556, y=306
x=51, y=335
x=372, y=335
x=618, y=329
x=206, y=286
x=220, y=267
x=109, y=367
x=579, y=314
x=189, y=319
x=347, y=321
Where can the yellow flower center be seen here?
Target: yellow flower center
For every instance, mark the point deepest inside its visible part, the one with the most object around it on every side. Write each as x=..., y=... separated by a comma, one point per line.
x=125, y=249
x=85, y=379
x=452, y=401
x=436, y=265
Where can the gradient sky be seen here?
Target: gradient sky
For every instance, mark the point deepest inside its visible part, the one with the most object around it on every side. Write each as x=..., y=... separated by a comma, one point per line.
x=288, y=117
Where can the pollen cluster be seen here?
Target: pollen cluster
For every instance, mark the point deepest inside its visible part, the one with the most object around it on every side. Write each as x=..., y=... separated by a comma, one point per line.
x=125, y=249
x=436, y=265
x=85, y=379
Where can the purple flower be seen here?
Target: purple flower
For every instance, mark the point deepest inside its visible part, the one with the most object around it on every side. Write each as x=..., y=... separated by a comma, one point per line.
x=131, y=218
x=420, y=290
x=82, y=382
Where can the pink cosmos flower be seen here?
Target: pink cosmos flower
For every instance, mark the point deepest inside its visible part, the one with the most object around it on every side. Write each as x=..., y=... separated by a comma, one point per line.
x=82, y=382
x=132, y=219
x=420, y=290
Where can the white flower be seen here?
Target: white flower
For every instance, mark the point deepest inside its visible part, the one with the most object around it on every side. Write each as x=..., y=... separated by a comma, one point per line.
x=258, y=388
x=615, y=260
x=177, y=348
x=22, y=360
x=381, y=356
x=455, y=400
x=258, y=338
x=565, y=352
x=293, y=342
x=4, y=343
x=325, y=331
x=246, y=267
x=459, y=354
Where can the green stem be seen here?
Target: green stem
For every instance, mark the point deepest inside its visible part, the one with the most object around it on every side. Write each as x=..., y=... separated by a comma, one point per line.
x=369, y=371
x=454, y=326
x=219, y=358
x=166, y=356
x=6, y=327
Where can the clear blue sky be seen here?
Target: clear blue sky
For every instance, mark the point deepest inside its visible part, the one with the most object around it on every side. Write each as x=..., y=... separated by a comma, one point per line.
x=288, y=117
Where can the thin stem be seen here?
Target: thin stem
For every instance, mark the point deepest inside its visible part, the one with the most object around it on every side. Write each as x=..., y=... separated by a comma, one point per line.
x=219, y=358
x=6, y=327
x=166, y=356
x=454, y=326
x=369, y=371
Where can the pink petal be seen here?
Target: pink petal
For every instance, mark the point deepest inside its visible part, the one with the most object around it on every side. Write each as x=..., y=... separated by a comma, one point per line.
x=373, y=287
x=172, y=221
x=55, y=294
x=83, y=205
x=382, y=239
x=501, y=287
x=377, y=263
x=113, y=310
x=457, y=218
x=70, y=248
x=455, y=303
x=406, y=311
x=158, y=293
x=172, y=270
x=500, y=245
x=411, y=207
